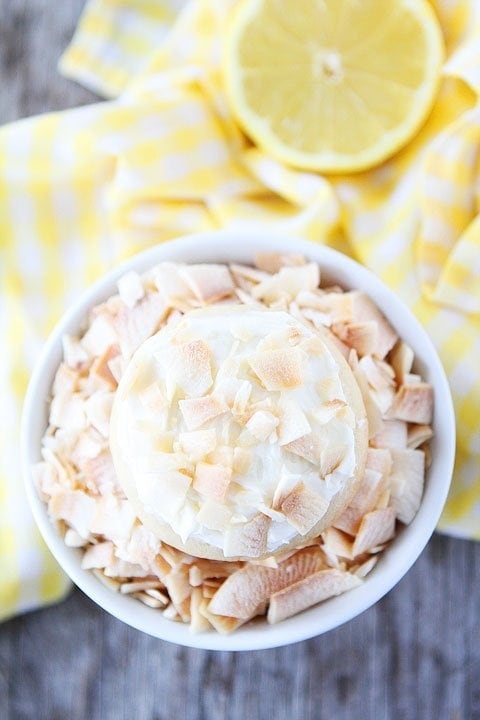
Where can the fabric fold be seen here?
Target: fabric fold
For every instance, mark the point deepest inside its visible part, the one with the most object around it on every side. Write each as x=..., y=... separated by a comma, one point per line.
x=82, y=189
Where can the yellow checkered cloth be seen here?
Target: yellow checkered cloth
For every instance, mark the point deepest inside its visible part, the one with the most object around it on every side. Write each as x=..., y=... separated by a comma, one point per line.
x=81, y=189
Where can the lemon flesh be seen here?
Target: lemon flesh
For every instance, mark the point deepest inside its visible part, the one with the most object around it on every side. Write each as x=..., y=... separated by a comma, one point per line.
x=332, y=85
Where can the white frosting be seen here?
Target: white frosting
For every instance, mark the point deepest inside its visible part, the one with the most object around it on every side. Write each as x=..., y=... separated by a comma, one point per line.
x=148, y=420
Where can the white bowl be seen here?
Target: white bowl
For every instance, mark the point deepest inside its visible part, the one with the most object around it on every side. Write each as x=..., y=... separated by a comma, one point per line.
x=395, y=561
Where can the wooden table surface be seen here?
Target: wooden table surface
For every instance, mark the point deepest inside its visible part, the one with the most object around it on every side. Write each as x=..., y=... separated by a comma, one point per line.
x=414, y=656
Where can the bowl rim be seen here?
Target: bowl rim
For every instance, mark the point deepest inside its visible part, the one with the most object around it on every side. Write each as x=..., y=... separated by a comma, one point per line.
x=240, y=246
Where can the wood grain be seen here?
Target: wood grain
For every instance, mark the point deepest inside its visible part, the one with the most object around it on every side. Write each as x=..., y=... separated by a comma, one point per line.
x=414, y=656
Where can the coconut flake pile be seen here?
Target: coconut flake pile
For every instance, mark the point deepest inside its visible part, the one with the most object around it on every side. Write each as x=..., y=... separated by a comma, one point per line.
x=85, y=501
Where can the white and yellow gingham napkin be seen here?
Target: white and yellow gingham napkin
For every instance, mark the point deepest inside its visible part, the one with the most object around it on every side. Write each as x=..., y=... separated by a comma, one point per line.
x=81, y=189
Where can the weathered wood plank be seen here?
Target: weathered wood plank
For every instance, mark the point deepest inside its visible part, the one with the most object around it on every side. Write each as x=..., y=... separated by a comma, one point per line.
x=415, y=655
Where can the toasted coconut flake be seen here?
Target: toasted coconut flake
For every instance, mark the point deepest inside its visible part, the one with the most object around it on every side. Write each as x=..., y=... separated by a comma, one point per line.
x=337, y=542
x=110, y=583
x=288, y=282
x=130, y=288
x=376, y=527
x=383, y=399
x=101, y=366
x=68, y=411
x=366, y=567
x=365, y=500
x=134, y=325
x=198, y=443
x=406, y=480
x=331, y=458
x=246, y=298
x=175, y=558
x=411, y=379
x=279, y=369
x=160, y=567
x=208, y=282
x=170, y=285
x=392, y=435
x=242, y=459
x=166, y=489
x=113, y=517
x=153, y=398
x=272, y=262
x=183, y=610
x=418, y=434
x=75, y=507
x=195, y=576
x=328, y=387
x=425, y=448
x=142, y=548
x=361, y=336
x=365, y=310
x=222, y=455
x=45, y=478
x=401, y=360
x=214, y=515
x=177, y=584
x=99, y=474
x=98, y=556
x=98, y=408
x=148, y=600
x=90, y=443
x=379, y=460
x=222, y=624
x=159, y=461
x=378, y=373
x=248, y=588
x=413, y=403
x=353, y=359
x=317, y=318
x=158, y=595
x=247, y=273
x=117, y=366
x=199, y=622
x=247, y=539
x=293, y=422
x=214, y=584
x=217, y=569
x=310, y=447
x=73, y=539
x=338, y=306
x=141, y=585
x=341, y=347
x=124, y=569
x=73, y=353
x=270, y=562
x=374, y=415
x=309, y=591
x=242, y=396
x=198, y=411
x=246, y=440
x=212, y=480
x=303, y=508
x=65, y=472
x=100, y=335
x=262, y=424
x=190, y=368
x=170, y=613
x=328, y=410
x=66, y=380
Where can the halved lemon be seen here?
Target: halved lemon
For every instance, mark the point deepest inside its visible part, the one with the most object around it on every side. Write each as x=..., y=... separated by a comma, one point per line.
x=332, y=85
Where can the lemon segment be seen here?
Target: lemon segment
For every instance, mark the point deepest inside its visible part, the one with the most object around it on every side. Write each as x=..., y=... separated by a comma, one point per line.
x=332, y=85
